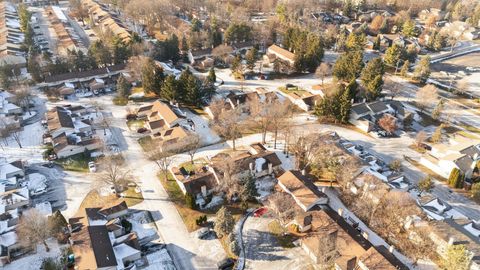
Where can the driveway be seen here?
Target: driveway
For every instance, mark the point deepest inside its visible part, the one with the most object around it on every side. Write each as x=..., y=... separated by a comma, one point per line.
x=262, y=250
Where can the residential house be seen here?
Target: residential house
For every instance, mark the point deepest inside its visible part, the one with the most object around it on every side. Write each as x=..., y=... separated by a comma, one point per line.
x=437, y=209
x=64, y=36
x=353, y=252
x=248, y=163
x=161, y=116
x=10, y=173
x=199, y=182
x=98, y=240
x=457, y=232
x=302, y=189
x=107, y=20
x=12, y=37
x=71, y=129
x=461, y=153
x=7, y=107
x=365, y=115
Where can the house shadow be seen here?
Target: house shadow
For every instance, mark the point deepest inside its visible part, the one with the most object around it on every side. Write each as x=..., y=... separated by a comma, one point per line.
x=261, y=245
x=56, y=192
x=183, y=259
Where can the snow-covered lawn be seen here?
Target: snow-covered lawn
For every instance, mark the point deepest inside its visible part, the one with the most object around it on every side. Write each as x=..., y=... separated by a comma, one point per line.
x=265, y=186
x=34, y=261
x=207, y=136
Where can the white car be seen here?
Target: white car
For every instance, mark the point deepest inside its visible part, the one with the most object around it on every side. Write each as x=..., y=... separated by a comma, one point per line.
x=92, y=167
x=39, y=191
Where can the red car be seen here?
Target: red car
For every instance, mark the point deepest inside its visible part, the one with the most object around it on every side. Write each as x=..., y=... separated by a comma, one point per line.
x=260, y=212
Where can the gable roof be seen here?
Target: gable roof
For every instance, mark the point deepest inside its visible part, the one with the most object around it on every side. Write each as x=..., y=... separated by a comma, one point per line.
x=113, y=208
x=377, y=107
x=165, y=112
x=279, y=51
x=301, y=188
x=360, y=108
x=101, y=246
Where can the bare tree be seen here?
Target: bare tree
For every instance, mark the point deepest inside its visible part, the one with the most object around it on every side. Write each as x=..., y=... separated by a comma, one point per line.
x=23, y=97
x=395, y=90
x=283, y=206
x=426, y=97
x=163, y=159
x=229, y=184
x=33, y=229
x=463, y=86
x=222, y=51
x=388, y=123
x=327, y=252
x=11, y=129
x=135, y=66
x=421, y=137
x=228, y=124
x=323, y=70
x=191, y=145
x=114, y=173
x=280, y=115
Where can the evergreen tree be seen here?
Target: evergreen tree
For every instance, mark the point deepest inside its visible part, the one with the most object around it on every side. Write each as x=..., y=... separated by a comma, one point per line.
x=152, y=77
x=422, y=70
x=404, y=70
x=348, y=65
x=355, y=41
x=184, y=44
x=34, y=68
x=121, y=52
x=100, y=53
x=236, y=64
x=123, y=87
x=437, y=134
x=376, y=43
x=212, y=77
x=249, y=191
x=372, y=78
x=190, y=201
x=393, y=55
x=169, y=88
x=224, y=222
x=347, y=8
x=408, y=28
x=345, y=105
x=251, y=58
x=457, y=257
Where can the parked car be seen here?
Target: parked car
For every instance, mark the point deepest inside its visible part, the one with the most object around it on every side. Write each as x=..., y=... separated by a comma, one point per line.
x=92, y=167
x=260, y=212
x=142, y=130
x=39, y=191
x=226, y=263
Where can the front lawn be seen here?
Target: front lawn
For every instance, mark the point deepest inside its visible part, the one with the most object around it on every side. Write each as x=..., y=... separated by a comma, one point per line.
x=131, y=196
x=78, y=163
x=146, y=143
x=135, y=124
x=281, y=234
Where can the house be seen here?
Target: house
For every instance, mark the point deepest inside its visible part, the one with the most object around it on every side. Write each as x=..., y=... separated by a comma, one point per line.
x=283, y=57
x=172, y=138
x=437, y=209
x=461, y=153
x=160, y=116
x=365, y=115
x=325, y=232
x=243, y=98
x=7, y=107
x=98, y=240
x=71, y=130
x=10, y=173
x=14, y=199
x=200, y=182
x=302, y=189
x=248, y=163
x=457, y=232
x=12, y=38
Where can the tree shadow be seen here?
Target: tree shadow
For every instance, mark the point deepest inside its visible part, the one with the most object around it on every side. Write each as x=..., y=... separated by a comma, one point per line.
x=262, y=245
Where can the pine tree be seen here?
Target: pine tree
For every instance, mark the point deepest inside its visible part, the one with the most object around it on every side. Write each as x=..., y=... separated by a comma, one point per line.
x=457, y=257
x=123, y=87
x=408, y=28
x=251, y=58
x=249, y=191
x=376, y=43
x=152, y=77
x=120, y=51
x=422, y=70
x=404, y=70
x=224, y=222
x=437, y=134
x=190, y=201
x=393, y=55
x=348, y=65
x=372, y=78
x=169, y=88
x=345, y=105
x=212, y=77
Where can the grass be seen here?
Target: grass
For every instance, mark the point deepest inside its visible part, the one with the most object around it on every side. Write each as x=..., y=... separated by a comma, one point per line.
x=293, y=90
x=145, y=143
x=120, y=101
x=280, y=233
x=418, y=149
x=131, y=197
x=468, y=135
x=135, y=124
x=77, y=163
x=197, y=164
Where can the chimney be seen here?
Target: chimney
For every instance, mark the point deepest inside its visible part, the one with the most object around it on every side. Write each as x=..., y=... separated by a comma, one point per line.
x=250, y=165
x=340, y=212
x=451, y=240
x=391, y=249
x=303, y=172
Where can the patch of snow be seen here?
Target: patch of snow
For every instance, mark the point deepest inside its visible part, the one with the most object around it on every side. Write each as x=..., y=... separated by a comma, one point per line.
x=216, y=200
x=160, y=260
x=36, y=181
x=259, y=164
x=44, y=208
x=34, y=261
x=142, y=225
x=265, y=187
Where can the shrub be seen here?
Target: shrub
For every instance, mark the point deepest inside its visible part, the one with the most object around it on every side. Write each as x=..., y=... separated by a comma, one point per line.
x=126, y=225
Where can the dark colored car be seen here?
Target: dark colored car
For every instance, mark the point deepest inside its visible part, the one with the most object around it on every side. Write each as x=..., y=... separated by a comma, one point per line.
x=142, y=130
x=226, y=263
